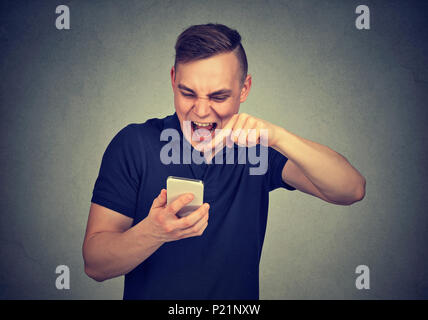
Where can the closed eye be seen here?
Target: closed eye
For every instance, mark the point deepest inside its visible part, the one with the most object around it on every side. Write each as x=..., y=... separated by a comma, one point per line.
x=219, y=99
x=213, y=98
x=188, y=94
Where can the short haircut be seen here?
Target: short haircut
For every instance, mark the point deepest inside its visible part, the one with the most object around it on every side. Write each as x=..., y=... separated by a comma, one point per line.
x=206, y=40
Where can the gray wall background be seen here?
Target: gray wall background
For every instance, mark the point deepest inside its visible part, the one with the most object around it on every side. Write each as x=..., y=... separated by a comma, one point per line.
x=65, y=94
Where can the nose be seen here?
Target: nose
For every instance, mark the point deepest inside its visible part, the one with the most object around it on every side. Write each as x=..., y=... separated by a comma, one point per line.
x=202, y=108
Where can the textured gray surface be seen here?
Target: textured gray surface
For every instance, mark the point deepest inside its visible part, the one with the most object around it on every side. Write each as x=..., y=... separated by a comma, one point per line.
x=65, y=94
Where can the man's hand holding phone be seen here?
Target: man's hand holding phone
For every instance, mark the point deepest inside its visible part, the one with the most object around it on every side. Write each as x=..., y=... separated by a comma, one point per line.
x=166, y=226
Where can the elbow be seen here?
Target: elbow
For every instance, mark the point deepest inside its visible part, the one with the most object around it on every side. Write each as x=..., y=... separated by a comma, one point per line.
x=91, y=272
x=359, y=192
x=94, y=275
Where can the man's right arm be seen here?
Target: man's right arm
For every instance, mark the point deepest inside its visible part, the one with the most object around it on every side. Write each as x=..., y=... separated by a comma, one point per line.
x=112, y=248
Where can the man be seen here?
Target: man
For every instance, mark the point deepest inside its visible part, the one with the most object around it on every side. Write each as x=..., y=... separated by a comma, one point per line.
x=214, y=252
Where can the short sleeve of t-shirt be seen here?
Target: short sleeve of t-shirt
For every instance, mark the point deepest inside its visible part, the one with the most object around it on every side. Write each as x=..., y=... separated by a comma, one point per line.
x=274, y=173
x=117, y=184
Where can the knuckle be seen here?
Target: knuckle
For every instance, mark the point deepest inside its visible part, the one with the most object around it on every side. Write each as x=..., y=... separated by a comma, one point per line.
x=181, y=236
x=159, y=218
x=186, y=222
x=203, y=229
x=167, y=228
x=171, y=209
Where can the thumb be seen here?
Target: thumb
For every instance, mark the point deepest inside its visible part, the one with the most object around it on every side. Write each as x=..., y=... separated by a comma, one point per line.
x=160, y=200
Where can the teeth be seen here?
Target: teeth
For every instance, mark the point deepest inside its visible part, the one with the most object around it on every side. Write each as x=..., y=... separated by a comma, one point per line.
x=199, y=124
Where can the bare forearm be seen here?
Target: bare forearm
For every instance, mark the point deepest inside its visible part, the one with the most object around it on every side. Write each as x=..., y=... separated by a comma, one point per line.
x=329, y=171
x=111, y=254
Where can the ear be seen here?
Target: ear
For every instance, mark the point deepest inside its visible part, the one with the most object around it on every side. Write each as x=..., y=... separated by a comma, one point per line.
x=173, y=77
x=245, y=90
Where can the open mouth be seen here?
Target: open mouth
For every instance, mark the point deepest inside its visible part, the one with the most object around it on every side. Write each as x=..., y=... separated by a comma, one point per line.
x=203, y=130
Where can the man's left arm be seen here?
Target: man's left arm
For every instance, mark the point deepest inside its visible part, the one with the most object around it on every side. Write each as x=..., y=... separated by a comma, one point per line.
x=311, y=167
x=318, y=170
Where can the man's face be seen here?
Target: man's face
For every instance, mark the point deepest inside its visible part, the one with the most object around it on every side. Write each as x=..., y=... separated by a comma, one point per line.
x=208, y=92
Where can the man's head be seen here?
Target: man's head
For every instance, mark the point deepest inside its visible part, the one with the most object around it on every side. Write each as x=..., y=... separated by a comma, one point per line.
x=206, y=40
x=209, y=77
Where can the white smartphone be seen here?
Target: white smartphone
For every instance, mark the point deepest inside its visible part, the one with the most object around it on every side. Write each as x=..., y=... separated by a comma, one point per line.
x=176, y=186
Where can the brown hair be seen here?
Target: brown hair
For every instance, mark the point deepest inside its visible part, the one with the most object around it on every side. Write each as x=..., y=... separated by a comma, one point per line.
x=206, y=40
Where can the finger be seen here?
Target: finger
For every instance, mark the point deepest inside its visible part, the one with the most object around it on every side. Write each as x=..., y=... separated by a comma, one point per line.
x=232, y=121
x=195, y=230
x=160, y=200
x=179, y=203
x=229, y=141
x=264, y=137
x=223, y=133
x=250, y=133
x=252, y=137
x=237, y=129
x=222, y=138
x=241, y=140
x=242, y=137
x=193, y=218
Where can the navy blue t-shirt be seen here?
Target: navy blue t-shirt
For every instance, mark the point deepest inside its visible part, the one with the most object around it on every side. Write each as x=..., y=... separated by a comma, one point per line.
x=223, y=263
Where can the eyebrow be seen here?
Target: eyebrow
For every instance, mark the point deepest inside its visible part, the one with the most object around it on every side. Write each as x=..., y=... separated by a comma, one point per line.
x=215, y=93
